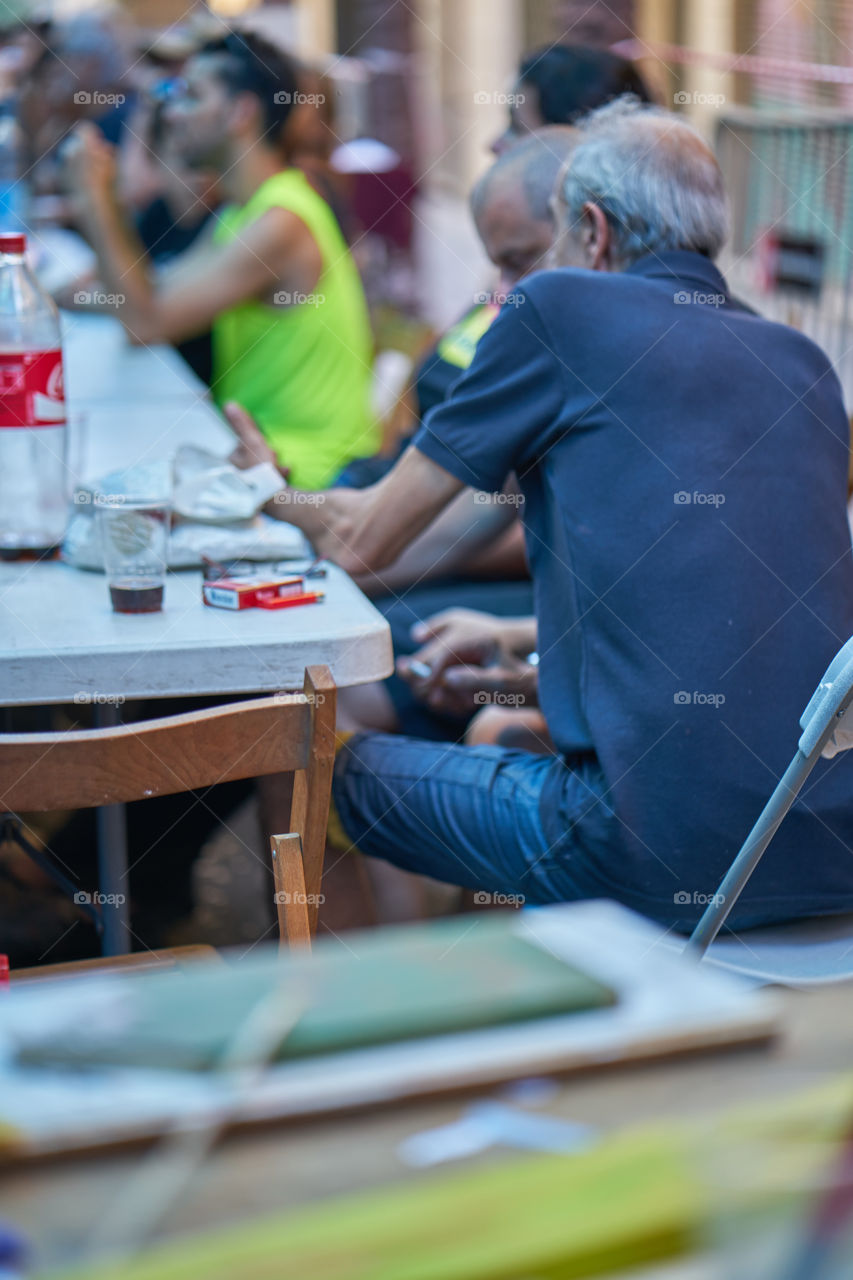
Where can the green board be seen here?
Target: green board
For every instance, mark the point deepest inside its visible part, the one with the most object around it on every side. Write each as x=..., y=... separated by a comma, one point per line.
x=376, y=987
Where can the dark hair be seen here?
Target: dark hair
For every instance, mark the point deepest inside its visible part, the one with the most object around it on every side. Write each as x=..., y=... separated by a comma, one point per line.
x=250, y=64
x=573, y=79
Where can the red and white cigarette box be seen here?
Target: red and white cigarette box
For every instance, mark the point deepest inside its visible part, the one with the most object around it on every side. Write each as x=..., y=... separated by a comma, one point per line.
x=250, y=593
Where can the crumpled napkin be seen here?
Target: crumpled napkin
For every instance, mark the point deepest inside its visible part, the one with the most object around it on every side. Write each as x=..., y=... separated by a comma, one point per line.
x=217, y=510
x=210, y=489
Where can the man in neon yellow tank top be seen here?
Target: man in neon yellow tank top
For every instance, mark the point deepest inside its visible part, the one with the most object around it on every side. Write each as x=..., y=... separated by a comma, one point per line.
x=273, y=277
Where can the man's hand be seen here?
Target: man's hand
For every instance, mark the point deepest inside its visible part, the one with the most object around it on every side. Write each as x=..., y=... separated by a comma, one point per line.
x=252, y=446
x=470, y=659
x=90, y=167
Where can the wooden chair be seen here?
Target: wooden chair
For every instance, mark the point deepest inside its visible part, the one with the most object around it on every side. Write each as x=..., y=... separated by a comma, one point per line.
x=280, y=734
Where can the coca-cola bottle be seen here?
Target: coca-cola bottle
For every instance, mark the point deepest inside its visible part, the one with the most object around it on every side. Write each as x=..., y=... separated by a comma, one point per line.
x=33, y=484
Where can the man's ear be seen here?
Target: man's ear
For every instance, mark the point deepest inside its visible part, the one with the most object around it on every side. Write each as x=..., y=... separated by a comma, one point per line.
x=245, y=114
x=596, y=238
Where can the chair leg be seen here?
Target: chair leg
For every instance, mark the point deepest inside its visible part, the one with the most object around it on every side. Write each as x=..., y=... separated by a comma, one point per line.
x=312, y=786
x=291, y=897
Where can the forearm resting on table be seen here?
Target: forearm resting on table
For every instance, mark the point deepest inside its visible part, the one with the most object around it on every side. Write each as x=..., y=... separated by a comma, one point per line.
x=365, y=530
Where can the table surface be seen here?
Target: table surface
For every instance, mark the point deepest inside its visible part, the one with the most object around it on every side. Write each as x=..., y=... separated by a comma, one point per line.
x=110, y=433
x=101, y=365
x=58, y=1205
x=59, y=639
x=61, y=642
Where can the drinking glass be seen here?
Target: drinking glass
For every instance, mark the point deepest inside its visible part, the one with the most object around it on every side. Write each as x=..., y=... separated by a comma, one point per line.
x=135, y=540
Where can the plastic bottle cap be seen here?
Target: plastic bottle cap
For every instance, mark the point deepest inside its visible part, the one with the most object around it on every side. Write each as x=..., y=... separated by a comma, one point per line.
x=12, y=243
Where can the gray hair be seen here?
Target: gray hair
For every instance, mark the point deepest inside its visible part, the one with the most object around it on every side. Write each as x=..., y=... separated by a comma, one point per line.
x=655, y=180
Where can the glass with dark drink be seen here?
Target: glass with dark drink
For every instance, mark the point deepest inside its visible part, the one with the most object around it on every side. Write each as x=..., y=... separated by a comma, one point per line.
x=135, y=540
x=136, y=596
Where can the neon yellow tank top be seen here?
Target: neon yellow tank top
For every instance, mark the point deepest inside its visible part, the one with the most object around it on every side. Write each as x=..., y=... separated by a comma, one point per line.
x=302, y=370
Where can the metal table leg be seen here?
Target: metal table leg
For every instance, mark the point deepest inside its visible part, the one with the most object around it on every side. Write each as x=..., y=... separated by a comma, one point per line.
x=112, y=859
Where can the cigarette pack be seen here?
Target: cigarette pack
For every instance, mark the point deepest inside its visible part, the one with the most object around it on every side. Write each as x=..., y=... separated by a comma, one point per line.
x=249, y=593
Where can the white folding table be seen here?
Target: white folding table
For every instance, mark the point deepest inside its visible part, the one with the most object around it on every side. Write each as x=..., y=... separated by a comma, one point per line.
x=60, y=642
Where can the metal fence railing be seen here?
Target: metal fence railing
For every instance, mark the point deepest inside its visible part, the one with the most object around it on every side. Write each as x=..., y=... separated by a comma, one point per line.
x=790, y=255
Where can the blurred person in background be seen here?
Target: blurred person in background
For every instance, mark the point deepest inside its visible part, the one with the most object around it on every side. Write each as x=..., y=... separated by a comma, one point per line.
x=271, y=275
x=559, y=83
x=173, y=220
x=181, y=201
x=80, y=74
x=156, y=72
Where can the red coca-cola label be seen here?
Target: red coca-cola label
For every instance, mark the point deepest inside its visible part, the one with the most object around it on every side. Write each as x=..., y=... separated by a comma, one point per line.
x=31, y=390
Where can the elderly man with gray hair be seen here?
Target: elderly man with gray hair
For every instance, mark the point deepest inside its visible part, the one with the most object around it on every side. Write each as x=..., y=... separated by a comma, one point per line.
x=684, y=469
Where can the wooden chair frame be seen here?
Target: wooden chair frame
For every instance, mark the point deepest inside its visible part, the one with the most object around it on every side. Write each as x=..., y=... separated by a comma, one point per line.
x=286, y=733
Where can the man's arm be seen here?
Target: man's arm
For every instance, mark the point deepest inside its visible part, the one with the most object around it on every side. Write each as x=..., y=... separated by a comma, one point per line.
x=183, y=300
x=468, y=537
x=363, y=530
x=348, y=525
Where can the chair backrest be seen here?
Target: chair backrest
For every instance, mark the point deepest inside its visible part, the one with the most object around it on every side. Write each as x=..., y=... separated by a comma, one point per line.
x=823, y=734
x=81, y=769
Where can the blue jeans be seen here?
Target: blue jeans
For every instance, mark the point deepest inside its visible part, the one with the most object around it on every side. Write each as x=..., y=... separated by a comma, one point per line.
x=471, y=815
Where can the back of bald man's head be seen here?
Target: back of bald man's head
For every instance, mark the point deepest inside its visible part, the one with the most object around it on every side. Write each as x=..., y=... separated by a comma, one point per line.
x=532, y=165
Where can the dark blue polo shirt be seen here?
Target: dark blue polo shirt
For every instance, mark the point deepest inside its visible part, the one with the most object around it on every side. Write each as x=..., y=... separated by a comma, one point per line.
x=684, y=468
